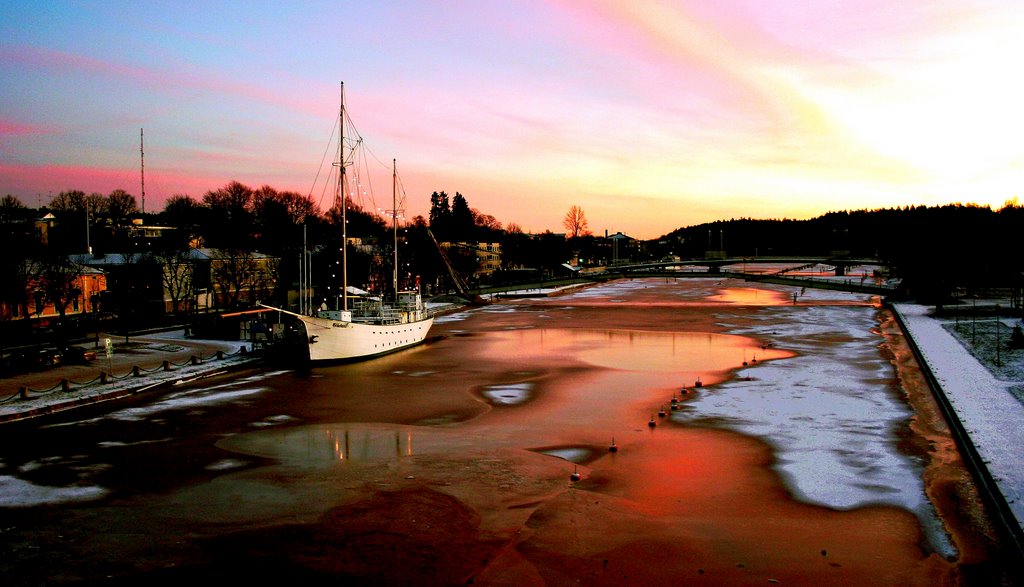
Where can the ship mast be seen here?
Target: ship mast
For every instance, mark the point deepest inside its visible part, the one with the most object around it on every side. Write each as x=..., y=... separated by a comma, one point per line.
x=394, y=221
x=344, y=201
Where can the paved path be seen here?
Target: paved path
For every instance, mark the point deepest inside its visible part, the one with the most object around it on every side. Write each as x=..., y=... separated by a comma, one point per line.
x=989, y=418
x=45, y=394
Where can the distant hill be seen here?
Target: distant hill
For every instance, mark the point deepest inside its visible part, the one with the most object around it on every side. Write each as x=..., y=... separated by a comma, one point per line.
x=936, y=248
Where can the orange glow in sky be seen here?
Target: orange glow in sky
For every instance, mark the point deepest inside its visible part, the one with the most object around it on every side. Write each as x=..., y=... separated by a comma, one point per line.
x=650, y=115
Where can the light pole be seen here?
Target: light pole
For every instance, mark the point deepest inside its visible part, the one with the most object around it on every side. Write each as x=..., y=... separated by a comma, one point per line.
x=998, y=363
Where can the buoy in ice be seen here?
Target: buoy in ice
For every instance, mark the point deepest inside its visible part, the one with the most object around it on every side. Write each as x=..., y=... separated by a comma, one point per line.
x=613, y=447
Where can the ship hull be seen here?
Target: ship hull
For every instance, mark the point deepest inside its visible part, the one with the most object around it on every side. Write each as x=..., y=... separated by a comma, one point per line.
x=336, y=340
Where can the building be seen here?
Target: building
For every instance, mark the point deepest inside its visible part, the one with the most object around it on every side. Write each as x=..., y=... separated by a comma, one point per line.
x=487, y=255
x=86, y=287
x=183, y=281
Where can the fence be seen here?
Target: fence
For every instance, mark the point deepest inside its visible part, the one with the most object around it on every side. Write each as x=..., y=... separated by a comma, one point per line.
x=105, y=378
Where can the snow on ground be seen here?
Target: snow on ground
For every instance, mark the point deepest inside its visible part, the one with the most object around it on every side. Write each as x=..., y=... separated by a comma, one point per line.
x=231, y=391
x=15, y=492
x=508, y=394
x=832, y=413
x=990, y=413
x=696, y=288
x=18, y=492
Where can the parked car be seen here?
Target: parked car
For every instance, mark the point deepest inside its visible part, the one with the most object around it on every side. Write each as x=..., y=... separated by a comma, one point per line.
x=48, y=357
x=78, y=355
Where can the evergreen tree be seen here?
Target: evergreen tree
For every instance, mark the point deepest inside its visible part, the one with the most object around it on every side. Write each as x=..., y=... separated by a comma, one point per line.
x=462, y=221
x=440, y=215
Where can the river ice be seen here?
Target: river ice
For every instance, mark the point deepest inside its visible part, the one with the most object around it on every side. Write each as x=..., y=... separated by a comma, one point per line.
x=832, y=412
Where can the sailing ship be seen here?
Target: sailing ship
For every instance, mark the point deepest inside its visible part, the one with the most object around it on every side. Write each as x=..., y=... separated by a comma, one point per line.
x=363, y=326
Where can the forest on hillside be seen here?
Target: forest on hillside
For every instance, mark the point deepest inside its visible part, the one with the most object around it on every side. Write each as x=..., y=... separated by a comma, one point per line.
x=935, y=249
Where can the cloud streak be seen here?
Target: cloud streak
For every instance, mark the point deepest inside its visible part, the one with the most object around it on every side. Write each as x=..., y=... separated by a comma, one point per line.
x=651, y=115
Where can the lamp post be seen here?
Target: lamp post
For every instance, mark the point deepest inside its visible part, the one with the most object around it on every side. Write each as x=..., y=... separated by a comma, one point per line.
x=998, y=362
x=974, y=317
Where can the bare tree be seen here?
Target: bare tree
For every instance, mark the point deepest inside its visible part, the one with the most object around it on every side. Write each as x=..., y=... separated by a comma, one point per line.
x=58, y=277
x=485, y=221
x=121, y=206
x=178, y=273
x=10, y=208
x=96, y=205
x=230, y=220
x=69, y=201
x=575, y=222
x=234, y=271
x=265, y=280
x=20, y=273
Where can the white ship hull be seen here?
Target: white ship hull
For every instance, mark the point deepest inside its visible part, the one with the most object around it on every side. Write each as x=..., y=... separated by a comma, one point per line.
x=338, y=340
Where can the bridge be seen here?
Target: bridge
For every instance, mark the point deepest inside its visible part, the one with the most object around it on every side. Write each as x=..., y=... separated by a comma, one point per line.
x=726, y=267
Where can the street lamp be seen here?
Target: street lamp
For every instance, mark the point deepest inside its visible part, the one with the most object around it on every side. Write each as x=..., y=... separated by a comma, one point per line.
x=974, y=316
x=998, y=363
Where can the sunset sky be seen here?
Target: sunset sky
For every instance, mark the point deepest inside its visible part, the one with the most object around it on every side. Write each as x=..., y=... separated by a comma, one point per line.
x=648, y=115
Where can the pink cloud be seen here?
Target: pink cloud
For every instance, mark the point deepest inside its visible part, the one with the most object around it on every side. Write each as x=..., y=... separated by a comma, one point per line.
x=181, y=77
x=16, y=128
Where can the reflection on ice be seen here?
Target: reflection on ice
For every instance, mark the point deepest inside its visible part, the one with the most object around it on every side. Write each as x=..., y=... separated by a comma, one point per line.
x=632, y=349
x=369, y=445
x=335, y=443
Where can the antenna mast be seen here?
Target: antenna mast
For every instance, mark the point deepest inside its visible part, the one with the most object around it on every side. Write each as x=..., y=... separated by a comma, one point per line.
x=142, y=154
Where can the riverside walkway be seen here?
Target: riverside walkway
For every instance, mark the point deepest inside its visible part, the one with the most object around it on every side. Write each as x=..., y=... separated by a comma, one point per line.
x=144, y=363
x=986, y=419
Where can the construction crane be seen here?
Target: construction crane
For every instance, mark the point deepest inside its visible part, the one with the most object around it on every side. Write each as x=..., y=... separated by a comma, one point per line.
x=460, y=284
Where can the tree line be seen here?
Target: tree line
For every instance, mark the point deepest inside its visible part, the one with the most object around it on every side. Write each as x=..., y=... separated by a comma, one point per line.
x=237, y=221
x=934, y=249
